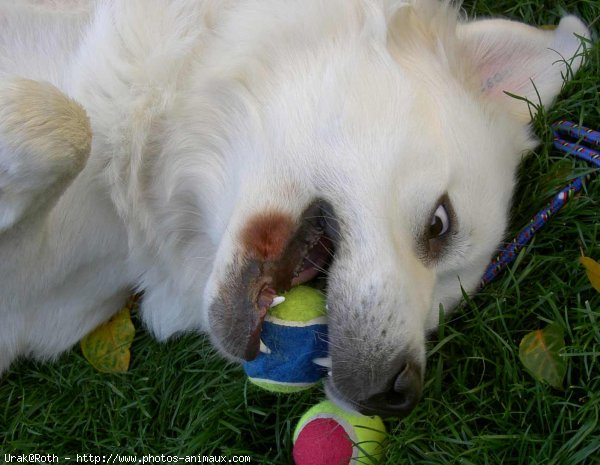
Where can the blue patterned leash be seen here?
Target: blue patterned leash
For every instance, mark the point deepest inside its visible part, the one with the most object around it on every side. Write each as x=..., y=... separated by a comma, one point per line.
x=578, y=134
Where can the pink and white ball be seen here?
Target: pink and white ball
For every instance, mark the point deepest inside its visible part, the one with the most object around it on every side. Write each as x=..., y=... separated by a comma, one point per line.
x=328, y=435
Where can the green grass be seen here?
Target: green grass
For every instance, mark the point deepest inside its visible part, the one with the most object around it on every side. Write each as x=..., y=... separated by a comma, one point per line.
x=480, y=406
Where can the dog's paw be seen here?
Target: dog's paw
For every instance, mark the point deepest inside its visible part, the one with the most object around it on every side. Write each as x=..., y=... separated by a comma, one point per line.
x=45, y=139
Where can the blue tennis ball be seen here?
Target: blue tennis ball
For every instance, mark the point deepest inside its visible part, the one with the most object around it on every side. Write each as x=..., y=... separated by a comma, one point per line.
x=294, y=333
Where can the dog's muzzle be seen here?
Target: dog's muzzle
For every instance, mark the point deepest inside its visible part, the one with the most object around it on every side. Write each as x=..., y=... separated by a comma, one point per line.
x=399, y=399
x=278, y=253
x=394, y=396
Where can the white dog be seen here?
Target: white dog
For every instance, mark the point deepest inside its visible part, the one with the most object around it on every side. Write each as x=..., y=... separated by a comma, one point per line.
x=242, y=146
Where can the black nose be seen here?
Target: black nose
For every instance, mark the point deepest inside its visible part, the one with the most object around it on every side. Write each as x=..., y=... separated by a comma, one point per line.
x=400, y=398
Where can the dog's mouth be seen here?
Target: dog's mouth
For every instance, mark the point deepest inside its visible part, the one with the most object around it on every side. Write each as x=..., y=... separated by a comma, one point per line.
x=306, y=258
x=239, y=311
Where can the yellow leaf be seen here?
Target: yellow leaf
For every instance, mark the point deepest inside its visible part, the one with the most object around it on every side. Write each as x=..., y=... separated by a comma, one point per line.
x=592, y=269
x=107, y=347
x=540, y=351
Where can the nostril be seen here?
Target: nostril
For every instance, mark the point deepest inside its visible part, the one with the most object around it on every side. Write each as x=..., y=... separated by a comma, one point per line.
x=403, y=369
x=402, y=395
x=405, y=380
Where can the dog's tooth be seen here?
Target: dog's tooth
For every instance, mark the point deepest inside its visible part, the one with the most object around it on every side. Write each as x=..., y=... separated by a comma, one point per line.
x=277, y=300
x=329, y=373
x=323, y=361
x=263, y=348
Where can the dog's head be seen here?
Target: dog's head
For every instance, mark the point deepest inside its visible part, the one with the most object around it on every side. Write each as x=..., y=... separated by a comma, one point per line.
x=375, y=149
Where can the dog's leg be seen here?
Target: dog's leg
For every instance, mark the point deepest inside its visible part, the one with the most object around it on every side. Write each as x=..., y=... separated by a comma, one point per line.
x=63, y=249
x=45, y=140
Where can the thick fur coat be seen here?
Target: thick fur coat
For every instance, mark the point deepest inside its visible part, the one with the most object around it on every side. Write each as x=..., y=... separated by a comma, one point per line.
x=228, y=143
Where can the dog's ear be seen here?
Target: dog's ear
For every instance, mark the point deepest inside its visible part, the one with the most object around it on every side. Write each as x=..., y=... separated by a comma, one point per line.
x=523, y=60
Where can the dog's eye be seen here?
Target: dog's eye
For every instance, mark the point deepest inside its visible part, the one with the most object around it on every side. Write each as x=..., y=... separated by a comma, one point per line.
x=440, y=223
x=437, y=233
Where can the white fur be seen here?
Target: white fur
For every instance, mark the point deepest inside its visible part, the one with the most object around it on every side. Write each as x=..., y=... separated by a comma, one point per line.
x=205, y=112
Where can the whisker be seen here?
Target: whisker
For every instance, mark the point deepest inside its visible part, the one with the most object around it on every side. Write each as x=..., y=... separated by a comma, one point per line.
x=326, y=218
x=316, y=267
x=187, y=230
x=191, y=212
x=329, y=251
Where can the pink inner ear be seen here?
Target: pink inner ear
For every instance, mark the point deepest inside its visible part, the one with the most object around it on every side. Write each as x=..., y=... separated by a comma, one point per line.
x=508, y=56
x=495, y=80
x=508, y=70
x=521, y=74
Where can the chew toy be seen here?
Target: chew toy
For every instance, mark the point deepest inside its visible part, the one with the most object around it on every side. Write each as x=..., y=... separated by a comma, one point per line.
x=293, y=337
x=328, y=435
x=293, y=358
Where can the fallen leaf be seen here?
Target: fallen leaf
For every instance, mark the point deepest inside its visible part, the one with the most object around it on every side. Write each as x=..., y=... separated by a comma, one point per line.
x=540, y=350
x=592, y=269
x=107, y=347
